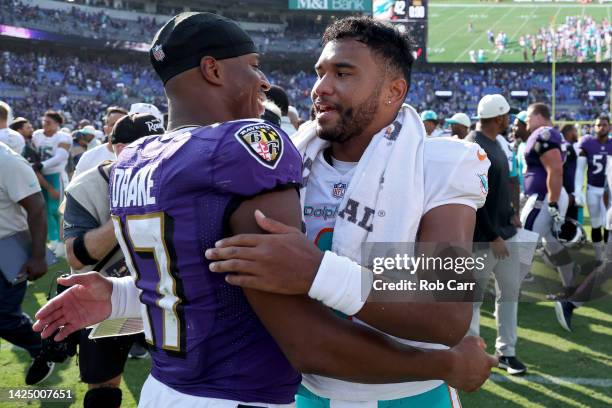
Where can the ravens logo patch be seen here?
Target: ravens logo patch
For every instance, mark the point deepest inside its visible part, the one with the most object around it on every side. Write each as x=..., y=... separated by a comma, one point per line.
x=263, y=142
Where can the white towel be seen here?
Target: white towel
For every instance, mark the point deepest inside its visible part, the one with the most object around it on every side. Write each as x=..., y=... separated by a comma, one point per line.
x=389, y=180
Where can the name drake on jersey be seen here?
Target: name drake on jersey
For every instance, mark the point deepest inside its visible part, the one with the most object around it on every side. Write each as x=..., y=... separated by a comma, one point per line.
x=133, y=189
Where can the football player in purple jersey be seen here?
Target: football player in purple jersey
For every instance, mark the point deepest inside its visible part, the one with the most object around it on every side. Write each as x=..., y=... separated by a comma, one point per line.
x=547, y=201
x=593, y=156
x=591, y=286
x=174, y=196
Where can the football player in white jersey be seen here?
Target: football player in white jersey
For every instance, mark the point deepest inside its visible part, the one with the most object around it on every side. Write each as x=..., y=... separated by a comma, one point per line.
x=363, y=78
x=52, y=146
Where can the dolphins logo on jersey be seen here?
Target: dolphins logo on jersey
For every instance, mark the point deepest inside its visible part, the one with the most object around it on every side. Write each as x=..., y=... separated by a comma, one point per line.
x=263, y=142
x=481, y=155
x=484, y=183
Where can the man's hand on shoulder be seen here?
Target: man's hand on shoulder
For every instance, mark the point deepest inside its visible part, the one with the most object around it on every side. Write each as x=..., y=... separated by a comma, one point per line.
x=283, y=261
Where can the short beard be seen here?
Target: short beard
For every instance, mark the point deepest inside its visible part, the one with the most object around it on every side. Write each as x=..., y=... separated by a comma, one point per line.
x=352, y=120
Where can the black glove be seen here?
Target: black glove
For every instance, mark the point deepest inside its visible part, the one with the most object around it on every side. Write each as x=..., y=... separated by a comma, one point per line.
x=37, y=166
x=553, y=210
x=60, y=351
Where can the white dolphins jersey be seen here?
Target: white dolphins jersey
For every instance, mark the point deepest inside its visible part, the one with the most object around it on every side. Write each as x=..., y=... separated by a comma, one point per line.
x=455, y=172
x=47, y=146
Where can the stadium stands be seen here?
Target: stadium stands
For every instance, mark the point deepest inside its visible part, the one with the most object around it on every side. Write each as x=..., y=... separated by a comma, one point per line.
x=82, y=85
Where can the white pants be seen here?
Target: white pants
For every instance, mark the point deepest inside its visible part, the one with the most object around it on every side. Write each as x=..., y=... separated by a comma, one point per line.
x=508, y=278
x=156, y=394
x=535, y=217
x=597, y=207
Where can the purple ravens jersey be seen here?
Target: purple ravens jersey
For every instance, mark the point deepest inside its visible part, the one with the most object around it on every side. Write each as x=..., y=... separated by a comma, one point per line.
x=596, y=154
x=569, y=167
x=539, y=142
x=171, y=197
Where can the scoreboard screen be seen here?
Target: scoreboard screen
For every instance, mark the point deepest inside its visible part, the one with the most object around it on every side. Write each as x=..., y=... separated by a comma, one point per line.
x=408, y=15
x=400, y=11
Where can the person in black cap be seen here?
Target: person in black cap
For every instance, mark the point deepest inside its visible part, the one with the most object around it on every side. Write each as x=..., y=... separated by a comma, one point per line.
x=173, y=196
x=91, y=245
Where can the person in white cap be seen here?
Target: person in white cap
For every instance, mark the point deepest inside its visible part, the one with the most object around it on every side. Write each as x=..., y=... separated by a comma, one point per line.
x=142, y=107
x=460, y=125
x=496, y=225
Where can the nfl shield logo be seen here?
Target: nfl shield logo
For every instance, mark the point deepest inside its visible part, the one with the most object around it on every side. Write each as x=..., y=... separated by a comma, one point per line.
x=338, y=190
x=158, y=53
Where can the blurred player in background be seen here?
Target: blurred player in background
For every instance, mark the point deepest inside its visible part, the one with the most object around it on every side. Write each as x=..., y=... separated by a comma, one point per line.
x=53, y=148
x=593, y=155
x=570, y=136
x=519, y=135
x=547, y=200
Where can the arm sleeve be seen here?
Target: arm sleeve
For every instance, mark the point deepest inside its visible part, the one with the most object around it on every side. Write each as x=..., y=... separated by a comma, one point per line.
x=125, y=299
x=456, y=173
x=255, y=157
x=581, y=165
x=77, y=220
x=61, y=155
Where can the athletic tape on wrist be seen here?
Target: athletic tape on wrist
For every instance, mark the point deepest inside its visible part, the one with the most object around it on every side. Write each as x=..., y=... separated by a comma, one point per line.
x=341, y=284
x=125, y=299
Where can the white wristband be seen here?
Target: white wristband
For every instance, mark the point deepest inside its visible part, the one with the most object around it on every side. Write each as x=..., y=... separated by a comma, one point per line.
x=125, y=299
x=341, y=284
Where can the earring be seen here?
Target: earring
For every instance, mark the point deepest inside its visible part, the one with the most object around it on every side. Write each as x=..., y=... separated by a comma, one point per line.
x=389, y=102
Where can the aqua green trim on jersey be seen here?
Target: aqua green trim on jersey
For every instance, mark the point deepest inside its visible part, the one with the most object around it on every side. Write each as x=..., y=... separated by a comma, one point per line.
x=439, y=397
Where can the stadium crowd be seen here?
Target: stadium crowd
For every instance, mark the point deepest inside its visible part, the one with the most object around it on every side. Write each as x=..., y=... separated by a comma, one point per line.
x=80, y=85
x=298, y=34
x=96, y=25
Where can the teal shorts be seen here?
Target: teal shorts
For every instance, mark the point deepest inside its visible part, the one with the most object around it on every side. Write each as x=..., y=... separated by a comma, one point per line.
x=440, y=397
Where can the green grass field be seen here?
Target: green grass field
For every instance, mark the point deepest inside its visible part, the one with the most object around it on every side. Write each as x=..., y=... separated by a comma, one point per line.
x=565, y=369
x=448, y=38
